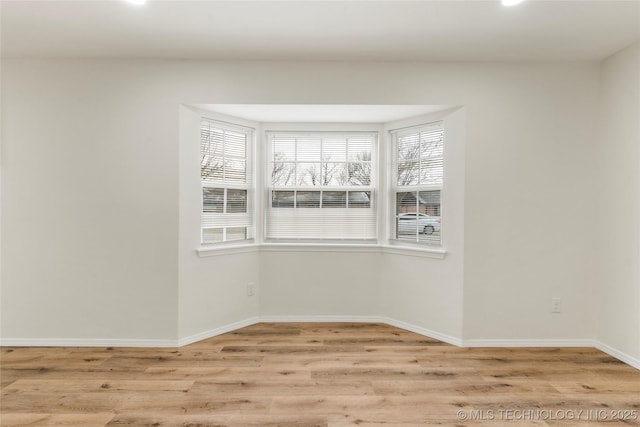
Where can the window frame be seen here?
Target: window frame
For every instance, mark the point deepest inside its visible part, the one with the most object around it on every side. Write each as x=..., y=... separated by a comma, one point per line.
x=322, y=130
x=247, y=219
x=394, y=136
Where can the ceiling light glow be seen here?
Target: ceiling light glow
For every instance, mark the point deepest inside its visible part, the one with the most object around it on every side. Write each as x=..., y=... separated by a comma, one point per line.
x=138, y=2
x=511, y=2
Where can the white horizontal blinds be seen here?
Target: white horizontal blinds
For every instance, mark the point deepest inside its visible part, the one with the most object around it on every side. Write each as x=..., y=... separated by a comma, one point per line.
x=225, y=171
x=418, y=165
x=420, y=156
x=321, y=186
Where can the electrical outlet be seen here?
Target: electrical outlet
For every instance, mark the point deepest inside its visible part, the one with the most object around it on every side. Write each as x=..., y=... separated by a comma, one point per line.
x=251, y=289
x=556, y=305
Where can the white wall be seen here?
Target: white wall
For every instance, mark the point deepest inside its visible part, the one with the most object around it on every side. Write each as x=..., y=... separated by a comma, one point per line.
x=529, y=204
x=310, y=283
x=97, y=143
x=212, y=291
x=619, y=297
x=424, y=292
x=89, y=203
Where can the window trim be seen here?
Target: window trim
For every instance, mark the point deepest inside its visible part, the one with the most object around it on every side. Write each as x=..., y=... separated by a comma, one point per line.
x=248, y=185
x=393, y=188
x=311, y=130
x=297, y=247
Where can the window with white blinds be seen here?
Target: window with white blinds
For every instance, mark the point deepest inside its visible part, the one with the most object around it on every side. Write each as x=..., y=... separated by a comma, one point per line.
x=225, y=171
x=321, y=186
x=418, y=174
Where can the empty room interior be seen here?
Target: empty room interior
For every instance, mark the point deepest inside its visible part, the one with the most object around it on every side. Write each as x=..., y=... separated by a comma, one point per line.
x=320, y=213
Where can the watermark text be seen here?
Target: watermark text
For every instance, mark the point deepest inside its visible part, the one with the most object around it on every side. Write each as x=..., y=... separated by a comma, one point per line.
x=537, y=414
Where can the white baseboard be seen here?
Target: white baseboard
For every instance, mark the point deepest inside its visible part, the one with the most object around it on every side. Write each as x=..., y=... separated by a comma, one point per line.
x=85, y=342
x=322, y=319
x=365, y=319
x=423, y=331
x=80, y=342
x=624, y=357
x=147, y=343
x=578, y=342
x=218, y=331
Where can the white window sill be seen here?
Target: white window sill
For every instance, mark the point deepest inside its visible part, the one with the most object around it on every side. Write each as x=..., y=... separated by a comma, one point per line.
x=207, y=251
x=434, y=253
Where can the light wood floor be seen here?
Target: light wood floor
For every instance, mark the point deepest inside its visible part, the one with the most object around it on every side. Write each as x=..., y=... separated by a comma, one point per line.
x=338, y=374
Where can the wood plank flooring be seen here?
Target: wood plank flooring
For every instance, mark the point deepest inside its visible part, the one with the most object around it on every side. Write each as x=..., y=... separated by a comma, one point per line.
x=311, y=374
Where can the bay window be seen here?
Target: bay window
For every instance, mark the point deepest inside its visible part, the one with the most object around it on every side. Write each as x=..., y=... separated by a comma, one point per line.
x=322, y=186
